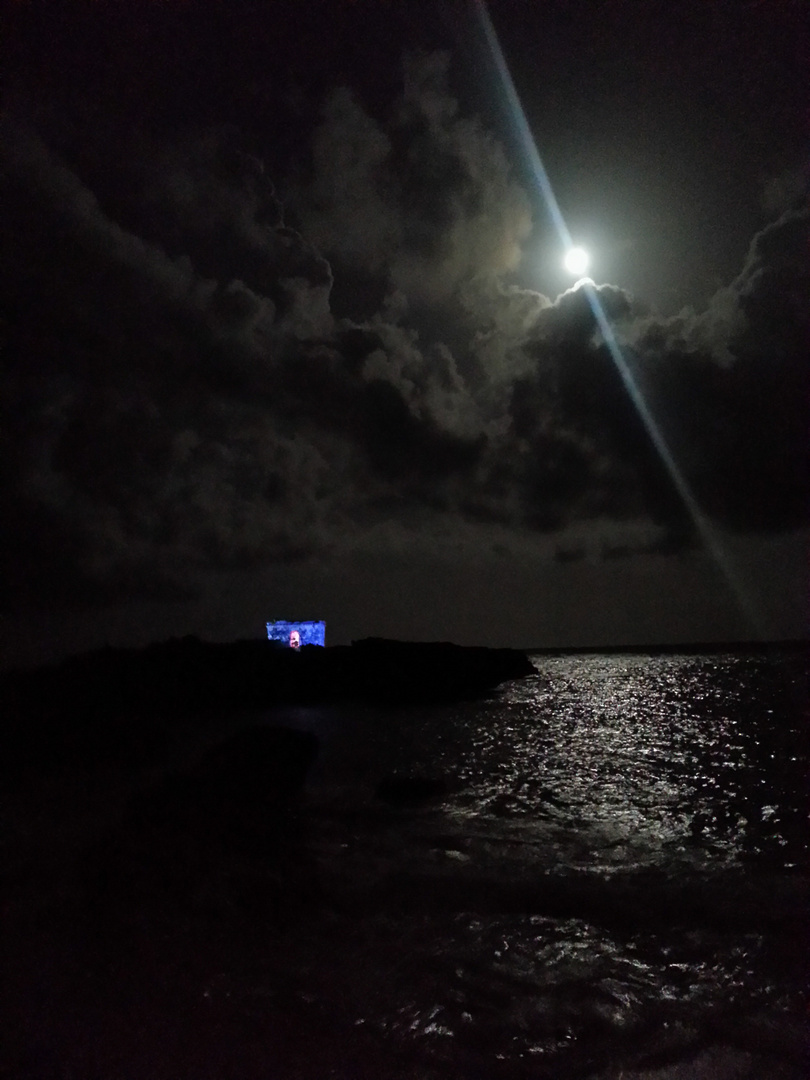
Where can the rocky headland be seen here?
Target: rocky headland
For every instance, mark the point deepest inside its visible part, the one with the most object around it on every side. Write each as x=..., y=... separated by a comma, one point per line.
x=121, y=701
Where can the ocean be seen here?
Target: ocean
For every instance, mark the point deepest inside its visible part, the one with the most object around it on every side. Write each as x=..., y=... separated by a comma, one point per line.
x=614, y=881
x=607, y=878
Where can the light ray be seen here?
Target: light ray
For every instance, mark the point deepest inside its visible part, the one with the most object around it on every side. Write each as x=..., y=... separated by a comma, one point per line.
x=704, y=527
x=706, y=531
x=522, y=126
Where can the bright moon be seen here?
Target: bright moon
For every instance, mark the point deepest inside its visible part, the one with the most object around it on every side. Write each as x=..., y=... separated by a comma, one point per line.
x=576, y=261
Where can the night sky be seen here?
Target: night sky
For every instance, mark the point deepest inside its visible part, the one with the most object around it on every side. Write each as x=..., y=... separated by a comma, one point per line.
x=285, y=330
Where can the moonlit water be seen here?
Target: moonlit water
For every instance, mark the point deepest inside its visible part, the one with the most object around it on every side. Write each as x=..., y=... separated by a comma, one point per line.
x=613, y=884
x=615, y=879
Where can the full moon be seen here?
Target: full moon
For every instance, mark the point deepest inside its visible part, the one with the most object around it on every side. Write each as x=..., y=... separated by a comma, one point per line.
x=576, y=261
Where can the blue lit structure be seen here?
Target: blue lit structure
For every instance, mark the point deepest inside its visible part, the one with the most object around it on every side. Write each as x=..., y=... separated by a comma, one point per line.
x=296, y=634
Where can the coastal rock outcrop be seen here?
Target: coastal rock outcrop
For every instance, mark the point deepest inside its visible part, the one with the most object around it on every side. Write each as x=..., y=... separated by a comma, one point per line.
x=124, y=706
x=193, y=676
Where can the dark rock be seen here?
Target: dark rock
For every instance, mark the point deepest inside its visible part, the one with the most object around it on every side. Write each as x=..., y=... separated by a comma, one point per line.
x=260, y=765
x=120, y=705
x=410, y=790
x=183, y=833
x=397, y=672
x=250, y=777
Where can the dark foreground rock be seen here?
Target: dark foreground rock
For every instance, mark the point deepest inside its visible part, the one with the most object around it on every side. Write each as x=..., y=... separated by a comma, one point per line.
x=258, y=767
x=228, y=825
x=411, y=790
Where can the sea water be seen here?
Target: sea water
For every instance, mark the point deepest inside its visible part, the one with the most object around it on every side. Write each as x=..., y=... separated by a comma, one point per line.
x=613, y=882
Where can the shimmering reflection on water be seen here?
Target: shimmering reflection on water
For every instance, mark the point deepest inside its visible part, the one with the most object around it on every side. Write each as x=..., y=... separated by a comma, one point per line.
x=635, y=757
x=616, y=868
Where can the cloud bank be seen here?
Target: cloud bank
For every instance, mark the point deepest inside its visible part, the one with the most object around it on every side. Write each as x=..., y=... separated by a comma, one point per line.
x=186, y=387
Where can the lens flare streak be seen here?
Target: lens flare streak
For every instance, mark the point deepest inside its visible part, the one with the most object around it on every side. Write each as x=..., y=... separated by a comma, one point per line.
x=522, y=126
x=701, y=522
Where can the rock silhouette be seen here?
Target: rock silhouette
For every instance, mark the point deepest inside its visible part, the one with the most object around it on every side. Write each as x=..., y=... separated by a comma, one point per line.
x=118, y=704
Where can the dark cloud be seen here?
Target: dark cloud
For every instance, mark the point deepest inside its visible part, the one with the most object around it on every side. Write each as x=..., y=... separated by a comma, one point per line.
x=789, y=190
x=129, y=380
x=426, y=201
x=730, y=384
x=180, y=393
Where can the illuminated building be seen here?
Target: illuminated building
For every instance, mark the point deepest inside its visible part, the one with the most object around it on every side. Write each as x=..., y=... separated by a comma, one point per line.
x=296, y=634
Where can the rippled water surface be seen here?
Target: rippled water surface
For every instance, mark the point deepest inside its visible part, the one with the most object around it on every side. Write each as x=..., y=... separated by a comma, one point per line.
x=615, y=877
x=610, y=882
